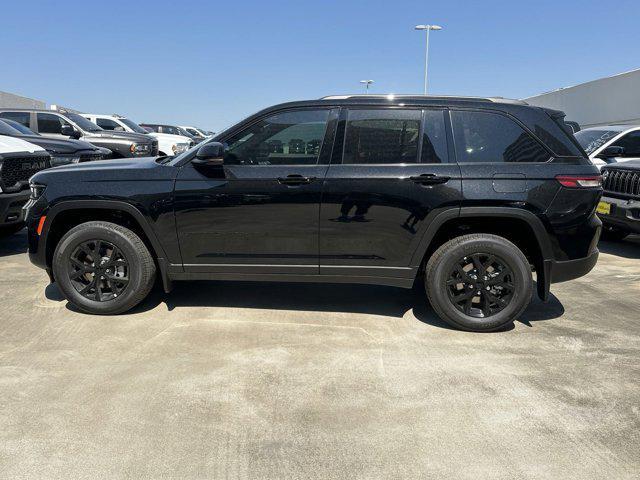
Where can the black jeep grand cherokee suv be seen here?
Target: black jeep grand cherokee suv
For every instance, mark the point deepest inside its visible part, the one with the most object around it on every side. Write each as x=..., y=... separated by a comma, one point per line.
x=469, y=194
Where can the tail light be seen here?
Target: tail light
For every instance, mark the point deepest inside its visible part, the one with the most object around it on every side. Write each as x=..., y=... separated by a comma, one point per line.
x=580, y=181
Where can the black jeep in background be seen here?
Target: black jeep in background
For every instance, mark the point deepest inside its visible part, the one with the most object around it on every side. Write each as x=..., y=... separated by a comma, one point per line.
x=620, y=205
x=468, y=195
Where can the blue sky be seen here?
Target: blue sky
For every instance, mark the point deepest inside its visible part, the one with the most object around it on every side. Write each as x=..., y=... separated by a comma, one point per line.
x=212, y=63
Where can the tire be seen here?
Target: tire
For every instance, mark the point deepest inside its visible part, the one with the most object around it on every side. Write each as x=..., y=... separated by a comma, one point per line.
x=123, y=255
x=8, y=230
x=613, y=234
x=447, y=280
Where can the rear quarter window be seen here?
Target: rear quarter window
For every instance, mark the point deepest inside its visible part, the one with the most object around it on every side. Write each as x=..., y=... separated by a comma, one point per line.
x=486, y=137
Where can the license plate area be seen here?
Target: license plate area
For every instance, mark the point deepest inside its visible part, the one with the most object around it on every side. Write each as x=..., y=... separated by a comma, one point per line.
x=604, y=208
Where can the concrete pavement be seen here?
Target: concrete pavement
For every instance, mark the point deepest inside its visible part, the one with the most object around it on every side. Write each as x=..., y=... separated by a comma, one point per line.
x=247, y=380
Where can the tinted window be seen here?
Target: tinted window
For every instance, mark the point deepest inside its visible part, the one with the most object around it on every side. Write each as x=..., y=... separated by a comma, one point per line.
x=171, y=130
x=382, y=136
x=19, y=127
x=49, y=123
x=107, y=124
x=151, y=128
x=82, y=122
x=6, y=129
x=289, y=138
x=20, y=117
x=492, y=138
x=434, y=139
x=631, y=144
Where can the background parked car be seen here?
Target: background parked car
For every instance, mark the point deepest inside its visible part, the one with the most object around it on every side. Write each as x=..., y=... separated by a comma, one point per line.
x=62, y=151
x=196, y=132
x=610, y=143
x=19, y=160
x=619, y=208
x=64, y=125
x=170, y=129
x=167, y=144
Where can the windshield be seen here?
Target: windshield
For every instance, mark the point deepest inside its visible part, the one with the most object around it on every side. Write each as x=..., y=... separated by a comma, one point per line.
x=593, y=138
x=133, y=125
x=19, y=127
x=83, y=123
x=184, y=133
x=6, y=129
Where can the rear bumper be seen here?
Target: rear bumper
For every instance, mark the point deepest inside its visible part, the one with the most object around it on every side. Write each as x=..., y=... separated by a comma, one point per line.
x=570, y=269
x=625, y=214
x=11, y=207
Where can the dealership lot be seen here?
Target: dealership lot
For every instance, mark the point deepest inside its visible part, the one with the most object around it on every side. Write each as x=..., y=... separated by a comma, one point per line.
x=248, y=380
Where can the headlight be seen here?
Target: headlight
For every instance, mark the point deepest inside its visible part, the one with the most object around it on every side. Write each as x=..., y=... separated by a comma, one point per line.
x=59, y=160
x=36, y=190
x=139, y=148
x=178, y=148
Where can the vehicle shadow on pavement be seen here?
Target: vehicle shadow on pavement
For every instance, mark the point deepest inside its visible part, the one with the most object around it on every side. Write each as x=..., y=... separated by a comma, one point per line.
x=359, y=299
x=627, y=248
x=13, y=244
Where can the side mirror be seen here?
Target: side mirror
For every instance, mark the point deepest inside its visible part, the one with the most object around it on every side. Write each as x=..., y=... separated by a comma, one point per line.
x=210, y=155
x=119, y=129
x=68, y=131
x=611, y=152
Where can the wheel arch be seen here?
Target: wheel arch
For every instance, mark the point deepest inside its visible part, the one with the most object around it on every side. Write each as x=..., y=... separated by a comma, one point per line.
x=521, y=227
x=67, y=214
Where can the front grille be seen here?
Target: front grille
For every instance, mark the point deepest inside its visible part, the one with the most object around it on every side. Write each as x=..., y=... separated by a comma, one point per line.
x=16, y=171
x=624, y=182
x=89, y=157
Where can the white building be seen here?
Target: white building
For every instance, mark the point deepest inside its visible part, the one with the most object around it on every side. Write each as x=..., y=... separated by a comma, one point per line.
x=10, y=100
x=606, y=101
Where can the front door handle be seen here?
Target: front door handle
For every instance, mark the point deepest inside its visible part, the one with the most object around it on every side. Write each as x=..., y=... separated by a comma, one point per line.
x=293, y=180
x=429, y=179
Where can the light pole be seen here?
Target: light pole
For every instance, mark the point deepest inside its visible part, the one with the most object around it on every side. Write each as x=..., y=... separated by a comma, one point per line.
x=366, y=83
x=427, y=29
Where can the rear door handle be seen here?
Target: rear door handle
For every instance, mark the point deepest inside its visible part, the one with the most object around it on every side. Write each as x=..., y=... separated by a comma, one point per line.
x=429, y=179
x=293, y=180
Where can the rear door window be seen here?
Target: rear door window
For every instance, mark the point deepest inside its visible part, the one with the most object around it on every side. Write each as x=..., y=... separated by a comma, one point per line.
x=485, y=137
x=382, y=136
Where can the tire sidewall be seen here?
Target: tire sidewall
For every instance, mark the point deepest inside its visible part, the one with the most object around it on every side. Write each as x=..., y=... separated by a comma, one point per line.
x=510, y=255
x=62, y=268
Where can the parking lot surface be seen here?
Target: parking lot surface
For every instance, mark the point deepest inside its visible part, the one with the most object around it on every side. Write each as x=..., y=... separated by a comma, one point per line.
x=247, y=380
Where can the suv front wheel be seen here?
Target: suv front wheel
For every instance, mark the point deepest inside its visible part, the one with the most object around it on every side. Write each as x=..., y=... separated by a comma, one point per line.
x=478, y=282
x=103, y=268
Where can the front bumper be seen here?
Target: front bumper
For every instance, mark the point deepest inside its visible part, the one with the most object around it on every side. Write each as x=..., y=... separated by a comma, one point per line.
x=625, y=214
x=11, y=207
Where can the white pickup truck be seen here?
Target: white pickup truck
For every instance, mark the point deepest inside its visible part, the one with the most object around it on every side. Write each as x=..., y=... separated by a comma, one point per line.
x=167, y=144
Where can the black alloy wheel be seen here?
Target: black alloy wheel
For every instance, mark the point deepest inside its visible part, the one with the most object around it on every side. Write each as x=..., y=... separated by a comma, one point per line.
x=480, y=285
x=98, y=270
x=478, y=282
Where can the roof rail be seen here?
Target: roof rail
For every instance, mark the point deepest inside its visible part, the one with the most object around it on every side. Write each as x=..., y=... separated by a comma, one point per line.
x=392, y=96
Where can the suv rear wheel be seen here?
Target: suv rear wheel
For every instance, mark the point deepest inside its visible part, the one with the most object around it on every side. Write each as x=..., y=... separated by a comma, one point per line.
x=103, y=268
x=478, y=282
